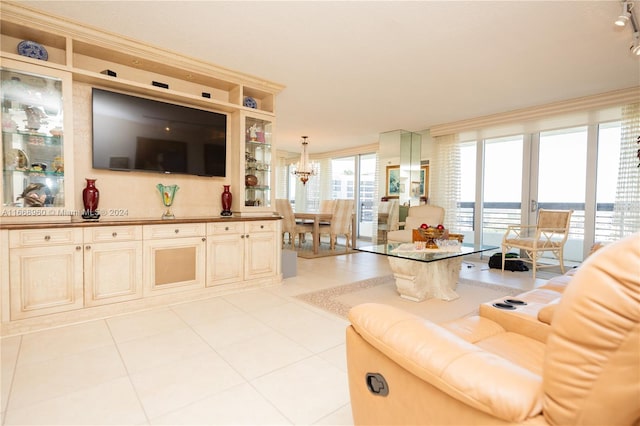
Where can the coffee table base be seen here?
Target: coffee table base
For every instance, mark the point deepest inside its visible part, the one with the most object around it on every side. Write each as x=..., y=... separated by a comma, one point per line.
x=418, y=281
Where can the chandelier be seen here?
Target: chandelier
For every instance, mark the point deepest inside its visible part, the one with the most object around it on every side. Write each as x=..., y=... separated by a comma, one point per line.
x=304, y=169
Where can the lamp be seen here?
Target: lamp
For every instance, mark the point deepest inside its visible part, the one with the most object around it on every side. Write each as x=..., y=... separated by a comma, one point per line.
x=304, y=169
x=622, y=20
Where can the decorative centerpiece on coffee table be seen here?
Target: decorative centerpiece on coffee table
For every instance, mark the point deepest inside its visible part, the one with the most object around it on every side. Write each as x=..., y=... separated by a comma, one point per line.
x=429, y=234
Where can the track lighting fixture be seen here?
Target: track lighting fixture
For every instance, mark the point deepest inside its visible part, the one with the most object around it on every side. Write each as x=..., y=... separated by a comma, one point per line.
x=628, y=15
x=635, y=46
x=622, y=20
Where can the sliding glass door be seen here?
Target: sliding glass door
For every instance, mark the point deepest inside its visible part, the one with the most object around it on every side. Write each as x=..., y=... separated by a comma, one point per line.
x=570, y=168
x=502, y=187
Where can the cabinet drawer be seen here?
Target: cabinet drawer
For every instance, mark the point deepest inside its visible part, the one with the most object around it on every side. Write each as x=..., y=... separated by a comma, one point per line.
x=44, y=237
x=104, y=234
x=269, y=226
x=217, y=228
x=178, y=230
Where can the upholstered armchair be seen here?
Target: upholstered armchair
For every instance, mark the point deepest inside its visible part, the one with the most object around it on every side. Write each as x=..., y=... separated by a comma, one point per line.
x=548, y=236
x=289, y=224
x=426, y=213
x=405, y=370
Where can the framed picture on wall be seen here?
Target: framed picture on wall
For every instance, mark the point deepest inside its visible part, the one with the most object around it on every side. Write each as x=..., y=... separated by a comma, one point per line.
x=424, y=182
x=418, y=188
x=393, y=181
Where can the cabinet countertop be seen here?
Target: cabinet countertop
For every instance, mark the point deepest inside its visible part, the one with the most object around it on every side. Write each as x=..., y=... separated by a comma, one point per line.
x=139, y=221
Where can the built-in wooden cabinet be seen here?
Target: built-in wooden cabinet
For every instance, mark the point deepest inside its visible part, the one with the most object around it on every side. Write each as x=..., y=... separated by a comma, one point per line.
x=45, y=271
x=119, y=266
x=112, y=264
x=242, y=251
x=174, y=257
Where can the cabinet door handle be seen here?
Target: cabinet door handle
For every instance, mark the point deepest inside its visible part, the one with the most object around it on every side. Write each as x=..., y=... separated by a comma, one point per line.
x=204, y=239
x=247, y=235
x=261, y=226
x=176, y=231
x=47, y=237
x=115, y=234
x=226, y=228
x=78, y=248
x=242, y=236
x=87, y=247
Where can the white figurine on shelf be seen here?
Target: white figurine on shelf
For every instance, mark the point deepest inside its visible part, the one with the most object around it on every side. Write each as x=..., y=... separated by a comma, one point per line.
x=253, y=132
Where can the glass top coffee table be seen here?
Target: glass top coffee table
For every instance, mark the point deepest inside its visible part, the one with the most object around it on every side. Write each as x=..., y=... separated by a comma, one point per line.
x=424, y=274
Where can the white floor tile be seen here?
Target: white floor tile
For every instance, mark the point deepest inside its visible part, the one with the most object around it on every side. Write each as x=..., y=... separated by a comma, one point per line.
x=164, y=349
x=64, y=341
x=9, y=347
x=231, y=330
x=241, y=405
x=263, y=354
x=205, y=311
x=341, y=417
x=314, y=389
x=110, y=403
x=164, y=389
x=311, y=330
x=144, y=324
x=35, y=382
x=253, y=300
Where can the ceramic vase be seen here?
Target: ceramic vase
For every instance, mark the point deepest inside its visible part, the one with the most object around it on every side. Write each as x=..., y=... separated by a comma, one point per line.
x=226, y=201
x=90, y=199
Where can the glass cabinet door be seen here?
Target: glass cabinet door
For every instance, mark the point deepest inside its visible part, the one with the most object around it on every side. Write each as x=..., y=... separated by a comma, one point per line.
x=32, y=140
x=257, y=180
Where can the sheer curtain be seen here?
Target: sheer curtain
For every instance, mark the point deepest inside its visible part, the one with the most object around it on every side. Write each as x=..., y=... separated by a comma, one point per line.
x=626, y=208
x=444, y=189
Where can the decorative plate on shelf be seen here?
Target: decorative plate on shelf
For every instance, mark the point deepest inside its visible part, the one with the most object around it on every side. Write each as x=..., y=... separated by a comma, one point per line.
x=32, y=50
x=249, y=102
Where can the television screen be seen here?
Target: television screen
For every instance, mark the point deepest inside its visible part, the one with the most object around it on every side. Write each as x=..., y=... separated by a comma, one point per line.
x=133, y=133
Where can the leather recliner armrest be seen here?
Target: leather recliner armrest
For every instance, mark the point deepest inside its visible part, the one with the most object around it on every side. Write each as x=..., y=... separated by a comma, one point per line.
x=464, y=371
x=545, y=314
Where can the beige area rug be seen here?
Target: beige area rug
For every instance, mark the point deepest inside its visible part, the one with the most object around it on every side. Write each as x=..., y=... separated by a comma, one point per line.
x=306, y=251
x=338, y=300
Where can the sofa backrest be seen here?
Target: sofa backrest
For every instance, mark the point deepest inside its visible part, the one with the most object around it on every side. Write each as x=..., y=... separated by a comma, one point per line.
x=431, y=215
x=591, y=370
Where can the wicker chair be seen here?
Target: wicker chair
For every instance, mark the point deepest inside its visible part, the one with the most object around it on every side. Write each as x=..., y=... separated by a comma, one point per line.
x=549, y=235
x=289, y=224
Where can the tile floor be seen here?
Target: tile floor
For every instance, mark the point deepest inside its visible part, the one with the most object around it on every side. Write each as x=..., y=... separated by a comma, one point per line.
x=255, y=357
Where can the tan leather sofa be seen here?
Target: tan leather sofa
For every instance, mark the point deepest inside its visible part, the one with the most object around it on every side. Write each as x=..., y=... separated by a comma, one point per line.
x=406, y=370
x=417, y=215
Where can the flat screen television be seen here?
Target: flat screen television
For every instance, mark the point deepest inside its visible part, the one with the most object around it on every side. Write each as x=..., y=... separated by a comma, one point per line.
x=134, y=133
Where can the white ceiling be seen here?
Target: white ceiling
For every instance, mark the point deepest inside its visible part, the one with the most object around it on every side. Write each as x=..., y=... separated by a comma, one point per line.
x=354, y=69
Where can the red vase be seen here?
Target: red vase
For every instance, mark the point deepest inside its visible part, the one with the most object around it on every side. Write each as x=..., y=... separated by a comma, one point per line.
x=226, y=201
x=90, y=198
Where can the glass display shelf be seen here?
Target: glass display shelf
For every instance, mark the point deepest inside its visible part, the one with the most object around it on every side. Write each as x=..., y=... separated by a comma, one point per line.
x=32, y=140
x=257, y=189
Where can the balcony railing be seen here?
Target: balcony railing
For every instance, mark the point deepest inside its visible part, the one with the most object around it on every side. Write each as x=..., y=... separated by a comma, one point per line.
x=498, y=216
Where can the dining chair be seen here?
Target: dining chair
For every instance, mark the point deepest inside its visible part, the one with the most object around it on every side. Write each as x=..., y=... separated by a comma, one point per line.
x=549, y=235
x=341, y=217
x=289, y=224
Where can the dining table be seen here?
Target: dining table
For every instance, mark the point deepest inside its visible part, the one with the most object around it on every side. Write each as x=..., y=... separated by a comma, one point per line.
x=317, y=218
